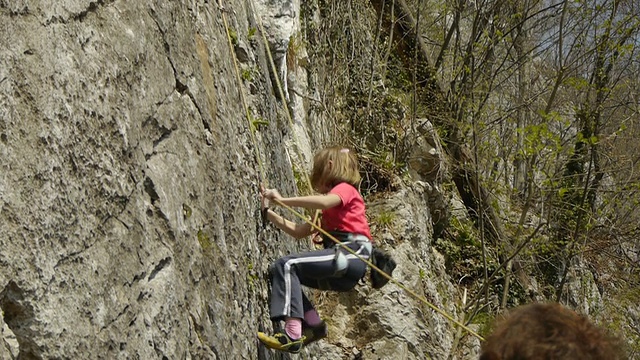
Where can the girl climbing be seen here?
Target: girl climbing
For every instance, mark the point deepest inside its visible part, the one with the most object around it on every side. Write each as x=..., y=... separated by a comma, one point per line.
x=335, y=175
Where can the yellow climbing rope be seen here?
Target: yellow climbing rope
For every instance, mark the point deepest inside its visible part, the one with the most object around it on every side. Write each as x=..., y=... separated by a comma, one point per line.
x=261, y=176
x=297, y=214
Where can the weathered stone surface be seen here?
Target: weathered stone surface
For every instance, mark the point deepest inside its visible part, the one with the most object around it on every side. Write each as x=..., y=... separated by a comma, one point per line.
x=281, y=21
x=583, y=294
x=128, y=184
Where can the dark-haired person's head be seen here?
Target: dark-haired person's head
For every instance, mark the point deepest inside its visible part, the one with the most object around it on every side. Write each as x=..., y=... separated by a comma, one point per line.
x=548, y=331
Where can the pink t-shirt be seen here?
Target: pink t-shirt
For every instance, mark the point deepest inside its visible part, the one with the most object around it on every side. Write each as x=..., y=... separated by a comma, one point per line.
x=350, y=215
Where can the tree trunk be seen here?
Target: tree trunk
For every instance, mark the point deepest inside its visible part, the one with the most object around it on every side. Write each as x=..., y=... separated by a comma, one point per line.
x=411, y=48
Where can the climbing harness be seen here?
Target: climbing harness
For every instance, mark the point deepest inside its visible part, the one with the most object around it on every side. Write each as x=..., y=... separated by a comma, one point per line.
x=381, y=274
x=341, y=263
x=378, y=257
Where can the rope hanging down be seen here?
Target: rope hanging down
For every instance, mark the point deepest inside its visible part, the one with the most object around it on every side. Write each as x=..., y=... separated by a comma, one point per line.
x=297, y=214
x=280, y=87
x=262, y=179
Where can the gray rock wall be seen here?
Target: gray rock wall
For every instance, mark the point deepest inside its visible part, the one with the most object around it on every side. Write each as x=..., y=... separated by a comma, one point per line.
x=128, y=208
x=129, y=225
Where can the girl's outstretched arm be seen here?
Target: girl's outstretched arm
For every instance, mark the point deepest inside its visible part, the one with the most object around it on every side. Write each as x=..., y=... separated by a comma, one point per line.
x=313, y=201
x=309, y=202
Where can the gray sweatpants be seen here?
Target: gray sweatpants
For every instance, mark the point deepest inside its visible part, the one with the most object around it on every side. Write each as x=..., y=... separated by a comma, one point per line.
x=314, y=269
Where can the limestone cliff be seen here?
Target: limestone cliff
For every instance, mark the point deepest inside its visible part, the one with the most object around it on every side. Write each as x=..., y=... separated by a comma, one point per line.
x=128, y=183
x=129, y=222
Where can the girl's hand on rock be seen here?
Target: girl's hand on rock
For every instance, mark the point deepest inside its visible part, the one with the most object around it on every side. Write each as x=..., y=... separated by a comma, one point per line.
x=270, y=194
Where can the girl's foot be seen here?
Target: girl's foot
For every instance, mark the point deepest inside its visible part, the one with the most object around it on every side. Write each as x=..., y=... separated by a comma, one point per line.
x=314, y=333
x=282, y=342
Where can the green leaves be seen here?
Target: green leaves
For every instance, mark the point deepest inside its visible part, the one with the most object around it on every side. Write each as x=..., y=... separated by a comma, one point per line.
x=540, y=138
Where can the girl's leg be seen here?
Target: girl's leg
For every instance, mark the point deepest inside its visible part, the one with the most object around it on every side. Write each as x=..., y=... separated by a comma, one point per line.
x=287, y=298
x=286, y=290
x=313, y=328
x=311, y=316
x=314, y=269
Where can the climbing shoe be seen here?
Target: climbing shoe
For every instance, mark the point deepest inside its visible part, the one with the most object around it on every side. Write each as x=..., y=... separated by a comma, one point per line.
x=282, y=342
x=314, y=333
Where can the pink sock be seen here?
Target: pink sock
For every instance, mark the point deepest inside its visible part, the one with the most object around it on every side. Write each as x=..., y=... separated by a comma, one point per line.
x=293, y=328
x=312, y=318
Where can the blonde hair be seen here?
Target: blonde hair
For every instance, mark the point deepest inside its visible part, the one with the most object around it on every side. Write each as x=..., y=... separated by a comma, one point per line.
x=334, y=165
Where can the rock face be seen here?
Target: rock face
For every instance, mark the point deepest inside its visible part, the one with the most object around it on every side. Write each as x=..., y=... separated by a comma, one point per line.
x=128, y=184
x=129, y=216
